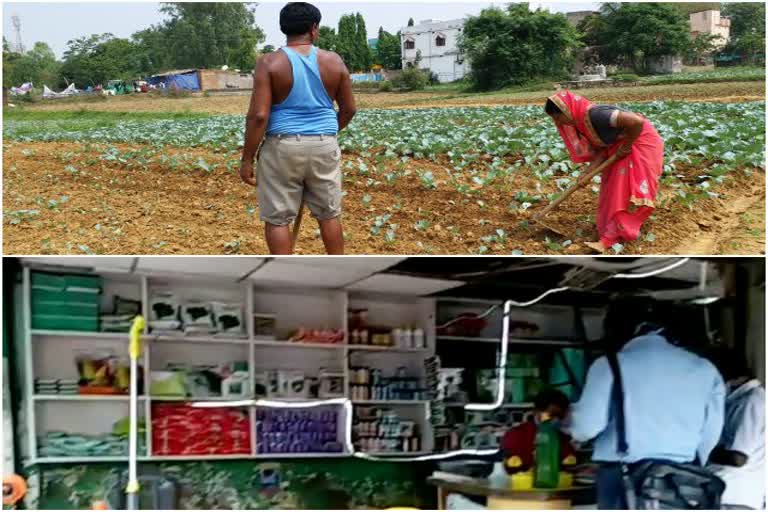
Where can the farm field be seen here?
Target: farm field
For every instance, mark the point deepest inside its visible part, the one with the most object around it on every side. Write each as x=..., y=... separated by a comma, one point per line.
x=447, y=180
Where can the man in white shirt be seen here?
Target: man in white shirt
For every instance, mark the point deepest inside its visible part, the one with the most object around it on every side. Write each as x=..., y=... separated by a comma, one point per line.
x=739, y=458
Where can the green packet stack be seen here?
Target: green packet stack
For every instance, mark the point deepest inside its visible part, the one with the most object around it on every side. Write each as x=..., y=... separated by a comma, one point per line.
x=63, y=444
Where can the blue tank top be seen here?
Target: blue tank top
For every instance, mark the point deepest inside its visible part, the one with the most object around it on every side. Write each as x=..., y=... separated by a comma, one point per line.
x=308, y=110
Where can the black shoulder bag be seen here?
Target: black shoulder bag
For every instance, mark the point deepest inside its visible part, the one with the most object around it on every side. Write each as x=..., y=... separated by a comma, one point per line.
x=660, y=485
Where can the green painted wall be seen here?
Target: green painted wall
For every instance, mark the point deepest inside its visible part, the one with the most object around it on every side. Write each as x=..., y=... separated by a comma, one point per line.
x=305, y=484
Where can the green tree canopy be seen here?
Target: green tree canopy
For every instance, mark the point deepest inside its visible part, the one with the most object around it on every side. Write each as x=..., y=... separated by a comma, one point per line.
x=95, y=59
x=514, y=45
x=37, y=65
x=352, y=42
x=211, y=34
x=388, y=50
x=632, y=33
x=747, y=29
x=327, y=39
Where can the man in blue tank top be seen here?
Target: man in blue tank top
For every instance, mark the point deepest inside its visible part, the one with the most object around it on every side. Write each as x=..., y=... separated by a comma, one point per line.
x=292, y=112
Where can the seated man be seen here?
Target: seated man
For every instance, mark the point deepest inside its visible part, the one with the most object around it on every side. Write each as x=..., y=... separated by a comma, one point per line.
x=518, y=443
x=739, y=457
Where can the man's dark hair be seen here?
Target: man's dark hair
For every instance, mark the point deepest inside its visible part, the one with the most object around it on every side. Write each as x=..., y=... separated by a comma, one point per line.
x=551, y=396
x=624, y=315
x=731, y=362
x=297, y=18
x=551, y=108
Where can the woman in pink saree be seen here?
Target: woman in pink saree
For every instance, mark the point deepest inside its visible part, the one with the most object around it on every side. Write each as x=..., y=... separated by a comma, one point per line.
x=593, y=133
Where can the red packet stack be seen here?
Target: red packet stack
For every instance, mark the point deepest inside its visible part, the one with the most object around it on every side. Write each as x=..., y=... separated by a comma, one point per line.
x=179, y=429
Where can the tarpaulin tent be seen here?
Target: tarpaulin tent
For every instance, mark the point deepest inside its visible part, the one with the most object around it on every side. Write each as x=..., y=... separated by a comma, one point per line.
x=69, y=91
x=185, y=79
x=22, y=89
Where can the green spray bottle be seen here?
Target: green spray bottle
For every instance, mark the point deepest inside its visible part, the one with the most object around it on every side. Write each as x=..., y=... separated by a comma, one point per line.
x=546, y=461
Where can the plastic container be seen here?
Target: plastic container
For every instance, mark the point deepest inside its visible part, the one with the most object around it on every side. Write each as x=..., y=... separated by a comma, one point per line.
x=546, y=460
x=39, y=295
x=64, y=282
x=66, y=309
x=64, y=323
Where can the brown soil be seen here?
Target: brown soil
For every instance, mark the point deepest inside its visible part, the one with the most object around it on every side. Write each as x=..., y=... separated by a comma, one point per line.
x=238, y=104
x=115, y=208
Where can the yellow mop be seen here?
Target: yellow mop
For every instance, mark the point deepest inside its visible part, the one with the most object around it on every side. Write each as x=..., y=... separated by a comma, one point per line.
x=134, y=350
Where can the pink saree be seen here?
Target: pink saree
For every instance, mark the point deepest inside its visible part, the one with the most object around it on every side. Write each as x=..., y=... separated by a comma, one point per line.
x=628, y=188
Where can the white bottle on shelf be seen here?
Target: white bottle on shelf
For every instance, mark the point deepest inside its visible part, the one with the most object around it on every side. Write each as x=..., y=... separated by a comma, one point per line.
x=418, y=338
x=407, y=337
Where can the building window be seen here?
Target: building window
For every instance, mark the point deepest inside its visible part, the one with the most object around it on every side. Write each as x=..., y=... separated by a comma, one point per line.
x=410, y=44
x=440, y=41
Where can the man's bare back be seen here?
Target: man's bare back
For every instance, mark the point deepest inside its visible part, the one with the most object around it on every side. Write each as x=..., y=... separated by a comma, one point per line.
x=333, y=73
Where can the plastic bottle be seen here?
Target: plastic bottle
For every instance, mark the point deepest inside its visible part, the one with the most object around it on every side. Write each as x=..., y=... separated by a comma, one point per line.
x=546, y=460
x=418, y=338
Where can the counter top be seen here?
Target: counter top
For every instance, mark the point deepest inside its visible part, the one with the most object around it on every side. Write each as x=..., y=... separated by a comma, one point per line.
x=484, y=487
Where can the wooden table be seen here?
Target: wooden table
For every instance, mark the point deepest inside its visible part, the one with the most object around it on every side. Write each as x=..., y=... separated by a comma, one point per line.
x=501, y=497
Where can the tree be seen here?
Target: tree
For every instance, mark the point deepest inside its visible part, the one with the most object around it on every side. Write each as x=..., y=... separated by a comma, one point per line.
x=699, y=47
x=327, y=39
x=747, y=30
x=516, y=45
x=362, y=50
x=267, y=48
x=98, y=58
x=634, y=33
x=388, y=52
x=152, y=45
x=345, y=40
x=38, y=65
x=410, y=22
x=352, y=42
x=211, y=34
x=746, y=18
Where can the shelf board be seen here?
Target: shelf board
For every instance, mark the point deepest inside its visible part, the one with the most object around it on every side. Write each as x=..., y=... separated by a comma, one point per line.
x=197, y=399
x=296, y=344
x=84, y=459
x=390, y=402
x=395, y=454
x=195, y=339
x=314, y=455
x=84, y=398
x=115, y=336
x=161, y=458
x=517, y=405
x=384, y=348
x=515, y=341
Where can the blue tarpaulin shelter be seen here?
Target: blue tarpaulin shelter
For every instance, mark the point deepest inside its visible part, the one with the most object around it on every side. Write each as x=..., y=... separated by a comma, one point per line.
x=184, y=79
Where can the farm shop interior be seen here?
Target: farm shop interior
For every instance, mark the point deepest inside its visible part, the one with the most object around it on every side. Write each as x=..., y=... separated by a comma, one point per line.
x=341, y=383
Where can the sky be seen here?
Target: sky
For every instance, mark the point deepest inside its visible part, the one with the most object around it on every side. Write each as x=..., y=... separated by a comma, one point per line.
x=56, y=23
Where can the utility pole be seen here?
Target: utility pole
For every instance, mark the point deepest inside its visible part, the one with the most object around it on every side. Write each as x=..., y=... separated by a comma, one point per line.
x=16, y=22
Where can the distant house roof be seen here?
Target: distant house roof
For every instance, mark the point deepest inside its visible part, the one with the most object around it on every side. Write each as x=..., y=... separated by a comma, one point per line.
x=175, y=72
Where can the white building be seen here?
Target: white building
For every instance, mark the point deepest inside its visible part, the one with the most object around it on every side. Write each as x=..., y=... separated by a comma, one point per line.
x=435, y=44
x=710, y=22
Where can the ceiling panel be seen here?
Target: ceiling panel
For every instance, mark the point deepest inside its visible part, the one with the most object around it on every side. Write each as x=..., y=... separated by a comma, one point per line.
x=403, y=285
x=214, y=266
x=370, y=263
x=294, y=274
x=97, y=263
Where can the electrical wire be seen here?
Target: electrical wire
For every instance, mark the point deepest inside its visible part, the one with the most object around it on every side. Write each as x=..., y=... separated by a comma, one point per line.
x=347, y=403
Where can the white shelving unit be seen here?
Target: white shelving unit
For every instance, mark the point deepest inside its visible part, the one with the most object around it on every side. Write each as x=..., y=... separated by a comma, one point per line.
x=50, y=354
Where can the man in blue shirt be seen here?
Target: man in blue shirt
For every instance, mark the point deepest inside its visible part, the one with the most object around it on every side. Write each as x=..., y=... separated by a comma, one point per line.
x=739, y=458
x=673, y=400
x=291, y=110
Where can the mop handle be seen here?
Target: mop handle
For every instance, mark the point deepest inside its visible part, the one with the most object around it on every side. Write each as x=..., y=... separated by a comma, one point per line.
x=134, y=351
x=582, y=182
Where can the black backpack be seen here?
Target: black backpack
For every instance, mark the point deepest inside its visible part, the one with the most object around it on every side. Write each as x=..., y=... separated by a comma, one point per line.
x=659, y=485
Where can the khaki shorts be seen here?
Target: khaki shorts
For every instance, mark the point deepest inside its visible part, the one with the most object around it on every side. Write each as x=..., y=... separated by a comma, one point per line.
x=293, y=168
